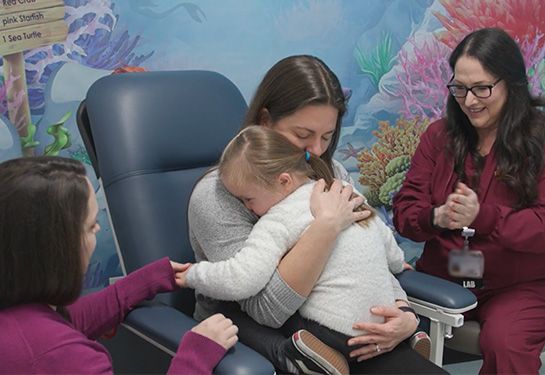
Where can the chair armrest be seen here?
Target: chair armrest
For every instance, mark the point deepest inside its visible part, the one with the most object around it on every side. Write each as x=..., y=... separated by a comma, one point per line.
x=441, y=301
x=165, y=327
x=436, y=293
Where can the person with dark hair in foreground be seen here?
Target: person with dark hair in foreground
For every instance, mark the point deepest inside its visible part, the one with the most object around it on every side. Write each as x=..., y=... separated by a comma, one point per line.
x=48, y=223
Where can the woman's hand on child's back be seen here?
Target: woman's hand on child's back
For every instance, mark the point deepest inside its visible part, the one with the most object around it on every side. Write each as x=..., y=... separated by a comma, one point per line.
x=219, y=329
x=335, y=205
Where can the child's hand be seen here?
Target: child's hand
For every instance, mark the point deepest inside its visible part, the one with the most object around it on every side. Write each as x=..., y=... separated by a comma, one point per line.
x=407, y=266
x=219, y=329
x=180, y=273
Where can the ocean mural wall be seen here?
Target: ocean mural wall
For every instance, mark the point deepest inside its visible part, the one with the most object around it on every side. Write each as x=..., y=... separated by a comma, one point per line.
x=390, y=54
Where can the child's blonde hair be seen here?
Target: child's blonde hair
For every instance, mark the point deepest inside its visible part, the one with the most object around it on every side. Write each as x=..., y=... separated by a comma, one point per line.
x=258, y=155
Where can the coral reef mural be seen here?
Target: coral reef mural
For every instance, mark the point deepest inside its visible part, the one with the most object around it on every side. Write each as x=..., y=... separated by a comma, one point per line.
x=382, y=168
x=390, y=55
x=98, y=43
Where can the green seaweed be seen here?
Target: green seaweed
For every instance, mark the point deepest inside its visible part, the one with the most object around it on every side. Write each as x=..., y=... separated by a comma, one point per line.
x=28, y=143
x=81, y=154
x=380, y=61
x=62, y=137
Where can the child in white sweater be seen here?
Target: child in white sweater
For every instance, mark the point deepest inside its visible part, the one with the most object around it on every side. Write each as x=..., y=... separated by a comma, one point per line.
x=274, y=179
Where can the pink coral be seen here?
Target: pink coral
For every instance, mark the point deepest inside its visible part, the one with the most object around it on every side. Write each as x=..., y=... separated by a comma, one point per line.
x=99, y=9
x=15, y=101
x=423, y=83
x=519, y=19
x=524, y=21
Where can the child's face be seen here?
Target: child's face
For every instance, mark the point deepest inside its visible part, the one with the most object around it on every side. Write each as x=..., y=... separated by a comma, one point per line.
x=256, y=199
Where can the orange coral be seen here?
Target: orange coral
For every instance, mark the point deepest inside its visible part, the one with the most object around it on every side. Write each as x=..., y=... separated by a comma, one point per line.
x=393, y=141
x=129, y=69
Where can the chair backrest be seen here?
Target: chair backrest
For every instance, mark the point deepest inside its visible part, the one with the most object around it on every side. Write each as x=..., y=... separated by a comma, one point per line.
x=154, y=134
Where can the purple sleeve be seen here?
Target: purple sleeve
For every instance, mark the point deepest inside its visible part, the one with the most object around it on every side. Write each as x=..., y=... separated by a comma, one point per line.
x=97, y=313
x=196, y=354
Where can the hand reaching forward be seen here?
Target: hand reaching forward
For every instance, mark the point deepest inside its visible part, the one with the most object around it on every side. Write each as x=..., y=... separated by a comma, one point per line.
x=407, y=266
x=180, y=273
x=219, y=329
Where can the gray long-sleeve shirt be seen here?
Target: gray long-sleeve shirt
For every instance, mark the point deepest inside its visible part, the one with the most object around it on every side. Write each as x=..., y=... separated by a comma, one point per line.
x=219, y=224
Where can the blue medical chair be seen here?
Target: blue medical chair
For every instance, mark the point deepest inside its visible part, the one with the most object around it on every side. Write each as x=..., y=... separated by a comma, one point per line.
x=150, y=136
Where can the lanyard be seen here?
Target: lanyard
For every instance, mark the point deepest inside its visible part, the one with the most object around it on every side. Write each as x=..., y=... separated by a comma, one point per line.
x=467, y=233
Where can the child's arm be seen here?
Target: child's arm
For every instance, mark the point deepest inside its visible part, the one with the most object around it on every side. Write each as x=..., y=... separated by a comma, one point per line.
x=394, y=254
x=250, y=269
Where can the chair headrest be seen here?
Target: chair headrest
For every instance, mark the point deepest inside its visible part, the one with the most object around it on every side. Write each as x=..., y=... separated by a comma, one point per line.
x=162, y=121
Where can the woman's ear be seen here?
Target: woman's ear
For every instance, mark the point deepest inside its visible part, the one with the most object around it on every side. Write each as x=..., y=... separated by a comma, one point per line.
x=265, y=117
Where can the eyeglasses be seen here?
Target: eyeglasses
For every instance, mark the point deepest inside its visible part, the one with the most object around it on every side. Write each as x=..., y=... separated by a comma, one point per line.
x=480, y=91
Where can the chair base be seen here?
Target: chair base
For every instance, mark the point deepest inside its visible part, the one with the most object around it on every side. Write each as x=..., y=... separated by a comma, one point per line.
x=466, y=338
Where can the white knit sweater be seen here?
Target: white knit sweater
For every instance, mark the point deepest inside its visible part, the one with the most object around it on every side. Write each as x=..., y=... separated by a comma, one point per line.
x=356, y=277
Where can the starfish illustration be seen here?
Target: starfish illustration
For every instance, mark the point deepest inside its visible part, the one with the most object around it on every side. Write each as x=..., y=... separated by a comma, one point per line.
x=350, y=152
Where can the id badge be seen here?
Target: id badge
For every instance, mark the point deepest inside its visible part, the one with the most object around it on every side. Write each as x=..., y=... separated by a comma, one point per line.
x=467, y=268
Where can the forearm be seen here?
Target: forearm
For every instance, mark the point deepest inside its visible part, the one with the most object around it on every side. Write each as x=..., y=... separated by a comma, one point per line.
x=242, y=276
x=399, y=293
x=275, y=304
x=216, y=281
x=96, y=313
x=196, y=355
x=394, y=254
x=303, y=265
